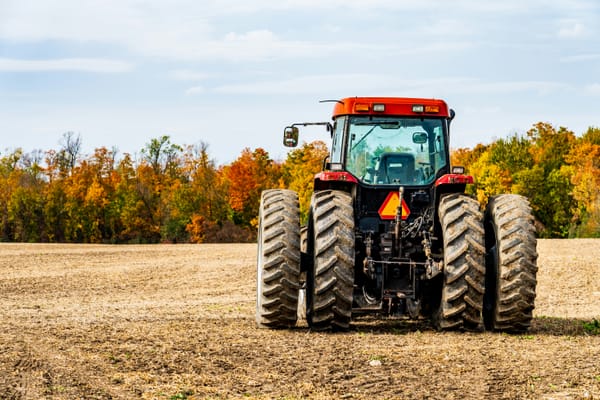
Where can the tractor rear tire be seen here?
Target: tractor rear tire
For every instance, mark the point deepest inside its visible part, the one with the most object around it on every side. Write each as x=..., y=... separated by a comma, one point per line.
x=510, y=264
x=330, y=278
x=463, y=283
x=278, y=259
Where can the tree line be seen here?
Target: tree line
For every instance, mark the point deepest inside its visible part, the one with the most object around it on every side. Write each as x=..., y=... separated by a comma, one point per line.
x=168, y=194
x=177, y=194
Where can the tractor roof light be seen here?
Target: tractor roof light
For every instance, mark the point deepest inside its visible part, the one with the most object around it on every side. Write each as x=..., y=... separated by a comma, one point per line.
x=361, y=107
x=379, y=107
x=418, y=108
x=432, y=109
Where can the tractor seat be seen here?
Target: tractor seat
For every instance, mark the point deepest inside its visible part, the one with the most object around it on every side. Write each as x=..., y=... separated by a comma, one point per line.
x=396, y=168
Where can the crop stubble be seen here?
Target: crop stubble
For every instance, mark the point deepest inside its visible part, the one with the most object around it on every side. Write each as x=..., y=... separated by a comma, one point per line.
x=177, y=321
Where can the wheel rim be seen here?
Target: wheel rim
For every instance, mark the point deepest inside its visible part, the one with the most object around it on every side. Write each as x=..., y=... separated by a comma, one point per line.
x=259, y=271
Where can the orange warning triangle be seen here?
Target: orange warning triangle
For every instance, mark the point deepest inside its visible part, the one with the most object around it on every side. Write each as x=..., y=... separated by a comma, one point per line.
x=390, y=205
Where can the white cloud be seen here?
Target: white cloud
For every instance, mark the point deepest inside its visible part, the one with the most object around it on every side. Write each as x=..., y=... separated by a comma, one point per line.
x=306, y=84
x=570, y=29
x=195, y=90
x=509, y=6
x=580, y=58
x=447, y=27
x=174, y=30
x=538, y=87
x=187, y=29
x=188, y=75
x=389, y=85
x=261, y=45
x=67, y=64
x=593, y=89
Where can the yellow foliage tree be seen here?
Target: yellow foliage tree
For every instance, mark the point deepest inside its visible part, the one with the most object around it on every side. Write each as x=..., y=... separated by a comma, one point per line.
x=299, y=171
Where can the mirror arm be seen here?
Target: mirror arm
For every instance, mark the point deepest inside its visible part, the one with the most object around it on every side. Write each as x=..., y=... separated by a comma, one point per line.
x=290, y=133
x=326, y=124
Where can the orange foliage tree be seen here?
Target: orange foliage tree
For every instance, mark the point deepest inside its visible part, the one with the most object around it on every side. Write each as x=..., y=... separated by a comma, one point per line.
x=246, y=178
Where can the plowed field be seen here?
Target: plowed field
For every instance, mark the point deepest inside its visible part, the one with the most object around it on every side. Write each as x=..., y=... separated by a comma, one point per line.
x=177, y=322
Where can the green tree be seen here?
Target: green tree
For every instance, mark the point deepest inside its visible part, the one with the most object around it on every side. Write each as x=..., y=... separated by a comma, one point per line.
x=592, y=136
x=512, y=154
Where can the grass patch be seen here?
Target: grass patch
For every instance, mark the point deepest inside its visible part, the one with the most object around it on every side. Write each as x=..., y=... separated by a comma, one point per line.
x=184, y=395
x=527, y=337
x=592, y=328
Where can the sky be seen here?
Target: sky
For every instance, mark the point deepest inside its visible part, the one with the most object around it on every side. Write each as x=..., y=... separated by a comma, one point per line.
x=233, y=73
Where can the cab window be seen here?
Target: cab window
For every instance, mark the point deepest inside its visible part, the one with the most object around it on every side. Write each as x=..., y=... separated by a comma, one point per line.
x=337, y=145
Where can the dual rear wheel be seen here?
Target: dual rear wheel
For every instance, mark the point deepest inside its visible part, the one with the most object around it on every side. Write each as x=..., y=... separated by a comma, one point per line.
x=489, y=264
x=330, y=275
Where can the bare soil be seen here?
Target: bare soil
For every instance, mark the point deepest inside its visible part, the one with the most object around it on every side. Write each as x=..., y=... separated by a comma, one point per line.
x=177, y=322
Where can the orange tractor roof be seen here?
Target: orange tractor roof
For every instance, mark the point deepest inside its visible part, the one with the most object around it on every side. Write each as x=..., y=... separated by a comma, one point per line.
x=399, y=106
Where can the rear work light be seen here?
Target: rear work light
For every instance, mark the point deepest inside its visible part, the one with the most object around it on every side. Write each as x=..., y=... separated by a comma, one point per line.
x=419, y=108
x=458, y=170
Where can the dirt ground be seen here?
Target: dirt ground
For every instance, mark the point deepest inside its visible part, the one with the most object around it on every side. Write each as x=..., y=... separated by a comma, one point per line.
x=177, y=322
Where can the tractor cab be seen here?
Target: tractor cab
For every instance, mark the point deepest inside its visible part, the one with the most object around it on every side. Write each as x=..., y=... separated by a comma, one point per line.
x=386, y=141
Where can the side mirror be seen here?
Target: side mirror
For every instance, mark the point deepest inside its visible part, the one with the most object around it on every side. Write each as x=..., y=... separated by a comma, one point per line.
x=290, y=136
x=420, y=137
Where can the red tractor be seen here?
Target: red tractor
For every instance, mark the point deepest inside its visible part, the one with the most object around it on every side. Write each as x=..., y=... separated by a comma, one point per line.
x=391, y=232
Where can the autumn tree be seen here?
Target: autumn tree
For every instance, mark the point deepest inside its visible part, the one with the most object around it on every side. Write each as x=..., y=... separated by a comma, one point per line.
x=584, y=164
x=134, y=223
x=299, y=171
x=8, y=183
x=490, y=178
x=551, y=197
x=246, y=177
x=22, y=196
x=466, y=157
x=550, y=146
x=158, y=176
x=206, y=195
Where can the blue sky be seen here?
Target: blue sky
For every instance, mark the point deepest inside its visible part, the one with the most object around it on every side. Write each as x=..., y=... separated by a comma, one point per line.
x=234, y=73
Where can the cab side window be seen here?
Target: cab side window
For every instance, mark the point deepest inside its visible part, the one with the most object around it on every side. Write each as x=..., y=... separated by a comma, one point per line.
x=337, y=142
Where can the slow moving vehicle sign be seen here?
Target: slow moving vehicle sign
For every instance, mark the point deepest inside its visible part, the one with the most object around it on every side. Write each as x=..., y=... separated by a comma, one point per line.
x=390, y=205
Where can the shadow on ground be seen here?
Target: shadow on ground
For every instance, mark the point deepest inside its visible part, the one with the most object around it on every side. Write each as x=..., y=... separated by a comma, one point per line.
x=542, y=325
